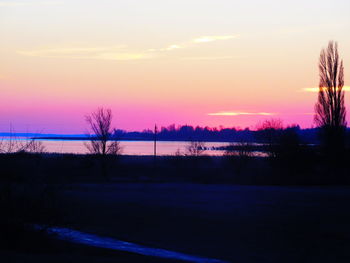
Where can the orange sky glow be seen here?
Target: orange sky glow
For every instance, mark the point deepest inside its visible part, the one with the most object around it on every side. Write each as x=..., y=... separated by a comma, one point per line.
x=208, y=63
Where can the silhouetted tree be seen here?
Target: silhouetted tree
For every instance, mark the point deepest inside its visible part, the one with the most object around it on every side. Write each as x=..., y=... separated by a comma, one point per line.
x=271, y=124
x=101, y=142
x=195, y=148
x=209, y=134
x=289, y=144
x=330, y=112
x=33, y=146
x=15, y=145
x=270, y=133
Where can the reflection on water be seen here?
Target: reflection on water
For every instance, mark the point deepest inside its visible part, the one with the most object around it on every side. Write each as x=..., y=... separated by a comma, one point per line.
x=133, y=147
x=110, y=243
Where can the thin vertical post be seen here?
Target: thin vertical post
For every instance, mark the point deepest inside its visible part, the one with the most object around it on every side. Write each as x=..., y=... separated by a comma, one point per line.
x=155, y=142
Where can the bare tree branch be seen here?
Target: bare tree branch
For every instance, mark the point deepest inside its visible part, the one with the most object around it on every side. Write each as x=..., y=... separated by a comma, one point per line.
x=330, y=110
x=101, y=141
x=195, y=148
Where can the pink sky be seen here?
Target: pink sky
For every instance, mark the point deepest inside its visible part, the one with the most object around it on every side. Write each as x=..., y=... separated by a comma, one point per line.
x=163, y=62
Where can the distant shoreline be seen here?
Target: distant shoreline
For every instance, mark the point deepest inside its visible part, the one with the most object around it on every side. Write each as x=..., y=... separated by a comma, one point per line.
x=80, y=137
x=180, y=134
x=123, y=139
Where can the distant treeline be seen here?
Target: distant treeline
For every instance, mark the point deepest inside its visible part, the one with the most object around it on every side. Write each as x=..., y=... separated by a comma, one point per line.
x=190, y=133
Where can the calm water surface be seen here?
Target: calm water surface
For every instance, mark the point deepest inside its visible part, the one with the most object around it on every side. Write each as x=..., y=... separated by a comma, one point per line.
x=131, y=147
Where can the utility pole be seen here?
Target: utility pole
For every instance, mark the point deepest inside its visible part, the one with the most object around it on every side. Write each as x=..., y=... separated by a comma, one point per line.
x=155, y=142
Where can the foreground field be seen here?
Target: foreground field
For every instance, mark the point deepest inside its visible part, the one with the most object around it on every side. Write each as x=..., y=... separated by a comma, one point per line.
x=233, y=223
x=235, y=209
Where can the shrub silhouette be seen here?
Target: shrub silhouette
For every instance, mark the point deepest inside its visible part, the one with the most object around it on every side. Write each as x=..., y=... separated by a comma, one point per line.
x=101, y=140
x=195, y=148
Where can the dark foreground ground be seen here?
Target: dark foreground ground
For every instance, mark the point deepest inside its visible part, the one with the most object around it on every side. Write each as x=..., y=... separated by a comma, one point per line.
x=233, y=223
x=57, y=251
x=236, y=223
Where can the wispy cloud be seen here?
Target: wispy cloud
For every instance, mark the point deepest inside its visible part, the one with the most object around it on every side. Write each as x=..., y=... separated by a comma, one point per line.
x=172, y=47
x=205, y=39
x=27, y=3
x=120, y=52
x=103, y=53
x=121, y=56
x=238, y=113
x=316, y=89
x=208, y=58
x=195, y=41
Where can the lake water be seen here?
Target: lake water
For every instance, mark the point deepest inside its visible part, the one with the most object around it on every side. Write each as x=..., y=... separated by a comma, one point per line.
x=131, y=147
x=128, y=147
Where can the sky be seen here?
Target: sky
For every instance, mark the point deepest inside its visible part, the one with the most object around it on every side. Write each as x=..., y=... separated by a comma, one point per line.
x=197, y=62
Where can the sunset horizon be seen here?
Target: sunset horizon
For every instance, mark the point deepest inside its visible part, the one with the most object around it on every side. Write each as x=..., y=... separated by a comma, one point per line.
x=174, y=131
x=195, y=63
